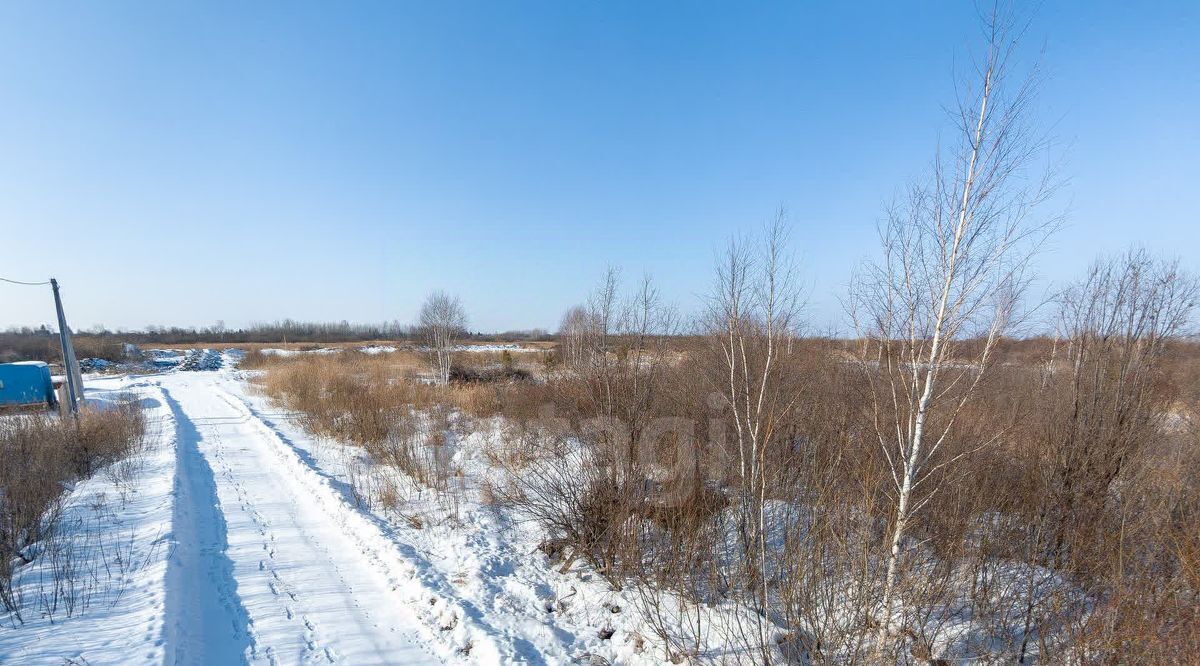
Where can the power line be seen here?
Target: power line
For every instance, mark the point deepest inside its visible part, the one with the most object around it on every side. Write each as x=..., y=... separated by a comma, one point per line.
x=28, y=284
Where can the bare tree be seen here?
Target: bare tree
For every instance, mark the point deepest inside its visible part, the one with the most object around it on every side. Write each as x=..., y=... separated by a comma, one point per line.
x=443, y=320
x=955, y=254
x=623, y=358
x=1117, y=323
x=573, y=334
x=1099, y=420
x=753, y=316
x=588, y=497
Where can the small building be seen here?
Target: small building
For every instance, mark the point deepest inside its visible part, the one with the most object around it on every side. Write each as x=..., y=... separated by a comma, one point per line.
x=25, y=383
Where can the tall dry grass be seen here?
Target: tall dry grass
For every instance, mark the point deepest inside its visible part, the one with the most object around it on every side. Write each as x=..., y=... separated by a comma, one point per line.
x=385, y=405
x=40, y=456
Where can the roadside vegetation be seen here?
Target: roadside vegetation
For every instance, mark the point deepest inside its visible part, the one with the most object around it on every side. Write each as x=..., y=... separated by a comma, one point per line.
x=43, y=345
x=41, y=458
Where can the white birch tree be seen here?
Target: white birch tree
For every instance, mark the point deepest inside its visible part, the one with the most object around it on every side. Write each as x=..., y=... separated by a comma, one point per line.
x=955, y=252
x=442, y=321
x=754, y=313
x=573, y=333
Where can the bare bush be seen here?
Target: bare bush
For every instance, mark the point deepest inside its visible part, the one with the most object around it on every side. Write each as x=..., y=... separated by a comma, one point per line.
x=1098, y=515
x=39, y=457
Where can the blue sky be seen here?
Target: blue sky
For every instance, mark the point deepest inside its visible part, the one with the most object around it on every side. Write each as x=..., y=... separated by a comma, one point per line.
x=179, y=163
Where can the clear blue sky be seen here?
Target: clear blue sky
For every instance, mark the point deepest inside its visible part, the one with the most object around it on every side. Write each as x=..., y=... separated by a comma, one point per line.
x=179, y=163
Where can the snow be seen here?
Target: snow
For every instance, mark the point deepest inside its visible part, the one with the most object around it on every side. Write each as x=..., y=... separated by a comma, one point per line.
x=475, y=575
x=496, y=348
x=377, y=349
x=479, y=569
x=120, y=527
x=246, y=554
x=387, y=349
x=482, y=348
x=164, y=358
x=238, y=537
x=252, y=546
x=258, y=547
x=265, y=564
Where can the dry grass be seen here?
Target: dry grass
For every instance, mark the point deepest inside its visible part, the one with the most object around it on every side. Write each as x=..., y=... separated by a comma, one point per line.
x=385, y=405
x=350, y=386
x=39, y=457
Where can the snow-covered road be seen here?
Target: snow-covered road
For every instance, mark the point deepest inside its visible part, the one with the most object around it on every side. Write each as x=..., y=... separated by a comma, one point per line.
x=269, y=565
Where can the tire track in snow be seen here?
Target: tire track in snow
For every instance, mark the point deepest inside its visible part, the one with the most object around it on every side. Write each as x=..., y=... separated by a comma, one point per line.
x=314, y=642
x=205, y=620
x=404, y=569
x=308, y=596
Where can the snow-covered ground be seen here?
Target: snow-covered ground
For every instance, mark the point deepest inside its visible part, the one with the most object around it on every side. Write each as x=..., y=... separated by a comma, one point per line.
x=512, y=347
x=238, y=538
x=387, y=349
x=271, y=563
x=480, y=580
x=240, y=553
x=108, y=603
x=377, y=349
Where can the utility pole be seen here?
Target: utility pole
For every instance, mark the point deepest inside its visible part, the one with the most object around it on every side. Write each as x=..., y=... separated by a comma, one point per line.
x=70, y=365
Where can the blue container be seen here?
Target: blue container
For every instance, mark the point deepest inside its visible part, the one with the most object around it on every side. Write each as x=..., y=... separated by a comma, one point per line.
x=25, y=383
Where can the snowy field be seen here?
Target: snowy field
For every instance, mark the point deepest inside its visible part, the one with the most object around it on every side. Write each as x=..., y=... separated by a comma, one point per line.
x=237, y=538
x=387, y=349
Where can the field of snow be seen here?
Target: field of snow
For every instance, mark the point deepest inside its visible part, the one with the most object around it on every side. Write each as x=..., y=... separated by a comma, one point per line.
x=237, y=538
x=496, y=348
x=237, y=553
x=387, y=349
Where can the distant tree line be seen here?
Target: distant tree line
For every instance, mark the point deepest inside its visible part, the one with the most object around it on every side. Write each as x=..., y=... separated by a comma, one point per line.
x=28, y=343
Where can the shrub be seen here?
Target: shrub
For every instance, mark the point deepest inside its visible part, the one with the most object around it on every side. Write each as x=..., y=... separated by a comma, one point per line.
x=475, y=375
x=40, y=455
x=106, y=348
